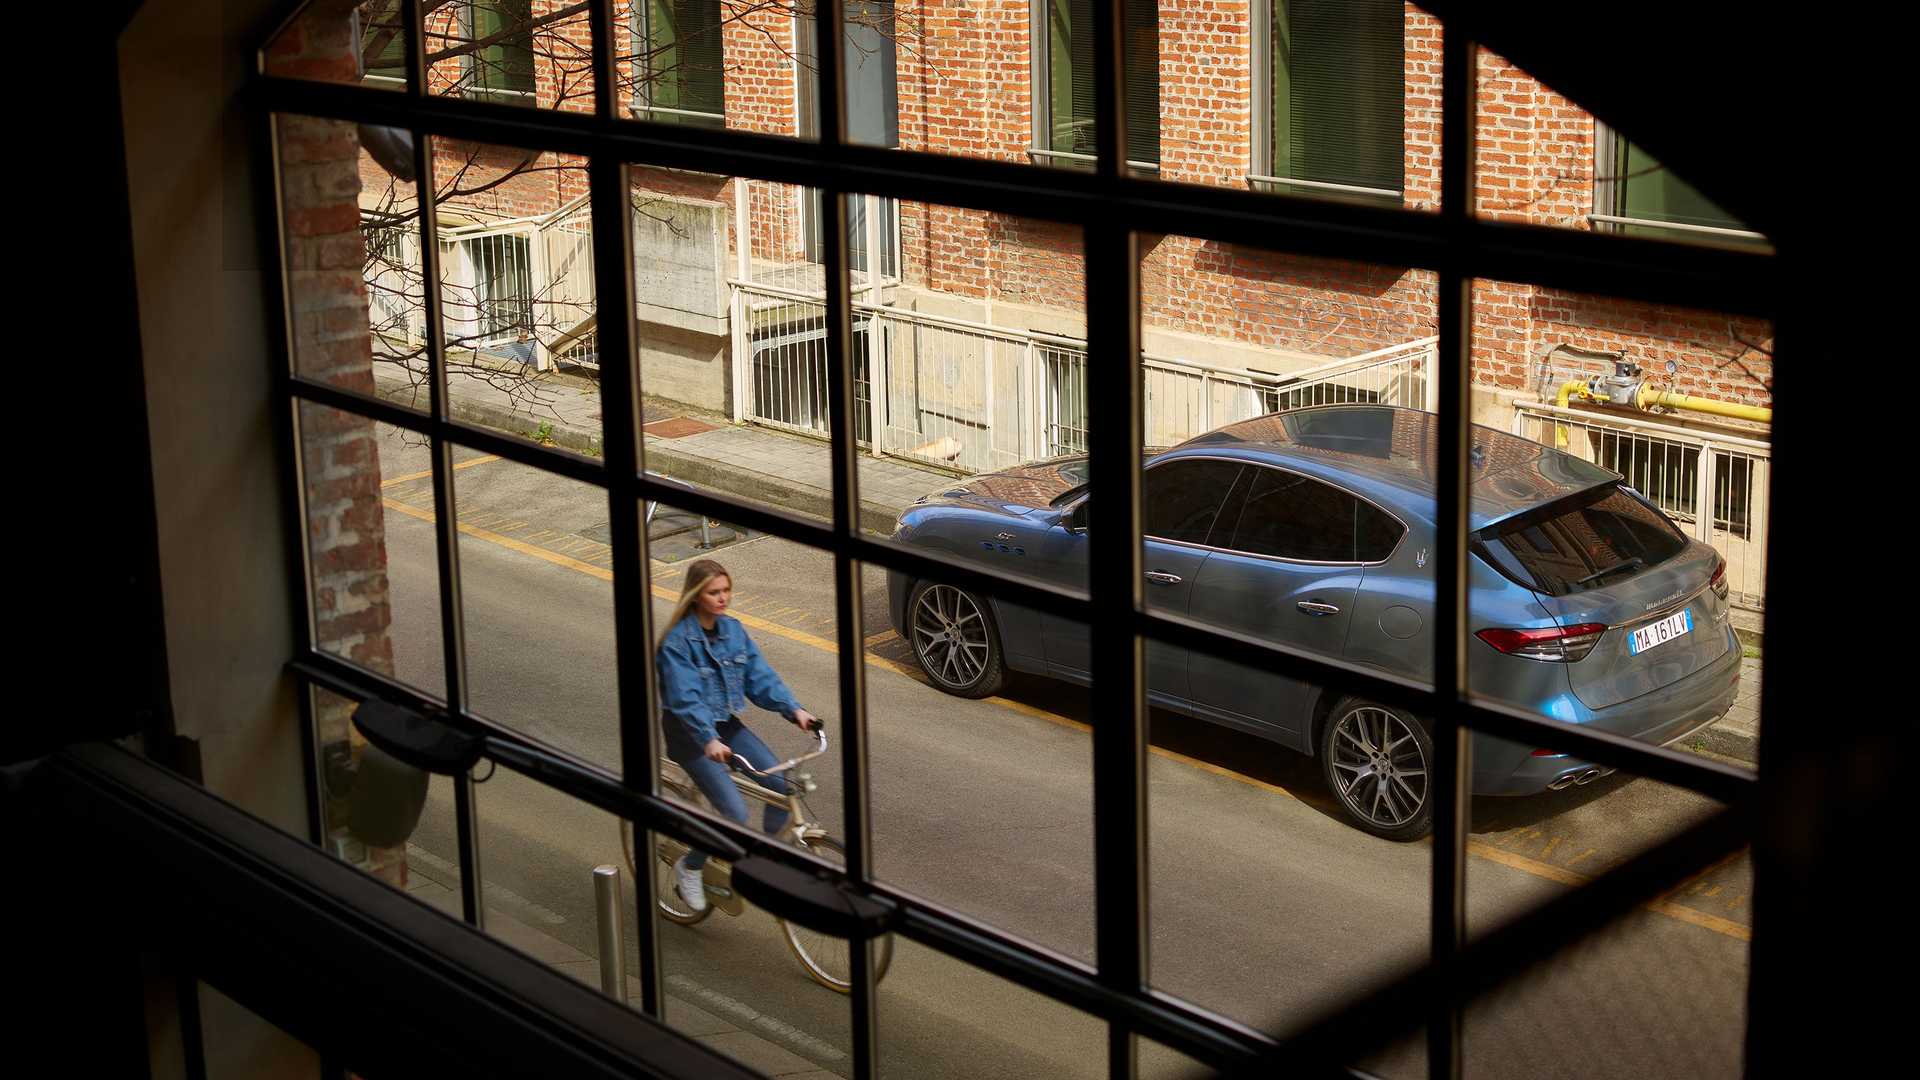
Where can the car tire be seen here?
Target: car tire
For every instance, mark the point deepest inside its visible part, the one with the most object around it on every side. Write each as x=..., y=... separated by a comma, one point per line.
x=955, y=640
x=1378, y=763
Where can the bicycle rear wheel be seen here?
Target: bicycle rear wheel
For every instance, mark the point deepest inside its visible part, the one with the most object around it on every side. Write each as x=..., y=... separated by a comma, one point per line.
x=827, y=958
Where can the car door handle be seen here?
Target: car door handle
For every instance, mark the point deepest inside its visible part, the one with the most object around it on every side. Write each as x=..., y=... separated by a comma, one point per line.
x=1313, y=607
x=1163, y=577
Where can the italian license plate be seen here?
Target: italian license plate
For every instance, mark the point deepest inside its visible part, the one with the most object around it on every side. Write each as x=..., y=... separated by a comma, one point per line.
x=1659, y=633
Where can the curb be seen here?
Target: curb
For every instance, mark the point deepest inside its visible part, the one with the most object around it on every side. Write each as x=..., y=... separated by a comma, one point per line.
x=1738, y=745
x=741, y=483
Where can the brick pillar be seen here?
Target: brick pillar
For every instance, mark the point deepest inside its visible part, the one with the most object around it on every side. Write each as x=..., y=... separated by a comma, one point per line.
x=326, y=254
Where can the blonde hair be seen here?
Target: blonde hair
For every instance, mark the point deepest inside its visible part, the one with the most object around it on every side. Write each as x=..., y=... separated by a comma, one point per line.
x=699, y=573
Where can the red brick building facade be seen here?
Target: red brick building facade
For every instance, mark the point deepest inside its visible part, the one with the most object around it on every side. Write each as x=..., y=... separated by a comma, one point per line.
x=964, y=73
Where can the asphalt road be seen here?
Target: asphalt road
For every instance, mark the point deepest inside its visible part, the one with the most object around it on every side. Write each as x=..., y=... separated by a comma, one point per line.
x=1265, y=906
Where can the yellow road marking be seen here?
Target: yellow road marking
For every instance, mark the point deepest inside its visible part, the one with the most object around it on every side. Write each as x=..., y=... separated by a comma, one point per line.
x=1476, y=848
x=881, y=638
x=467, y=464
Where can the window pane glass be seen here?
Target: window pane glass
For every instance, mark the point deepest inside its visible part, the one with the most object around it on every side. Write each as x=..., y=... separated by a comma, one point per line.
x=1339, y=88
x=513, y=52
x=1646, y=189
x=1314, y=384
x=517, y=292
x=1183, y=500
x=1674, y=972
x=941, y=1017
x=536, y=588
x=341, y=44
x=1543, y=159
x=374, y=562
x=1069, y=123
x=365, y=810
x=680, y=75
x=350, y=230
x=1294, y=517
x=1622, y=533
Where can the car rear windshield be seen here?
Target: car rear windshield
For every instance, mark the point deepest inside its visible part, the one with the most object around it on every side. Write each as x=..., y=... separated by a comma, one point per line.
x=1589, y=540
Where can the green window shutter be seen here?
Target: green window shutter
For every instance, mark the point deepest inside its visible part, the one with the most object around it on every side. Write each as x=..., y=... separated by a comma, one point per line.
x=506, y=64
x=1643, y=188
x=1339, y=90
x=1070, y=90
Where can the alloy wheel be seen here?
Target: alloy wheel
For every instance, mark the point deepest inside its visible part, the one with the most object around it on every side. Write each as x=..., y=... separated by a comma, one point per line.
x=950, y=636
x=1379, y=767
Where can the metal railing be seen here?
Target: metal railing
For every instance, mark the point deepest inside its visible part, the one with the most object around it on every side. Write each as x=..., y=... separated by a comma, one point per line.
x=976, y=397
x=1713, y=485
x=523, y=282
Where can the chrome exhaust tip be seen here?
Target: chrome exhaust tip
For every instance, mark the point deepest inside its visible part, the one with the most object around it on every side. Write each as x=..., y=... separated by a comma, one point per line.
x=1561, y=783
x=1587, y=777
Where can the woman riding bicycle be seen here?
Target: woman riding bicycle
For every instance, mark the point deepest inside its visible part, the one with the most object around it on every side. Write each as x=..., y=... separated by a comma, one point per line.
x=709, y=669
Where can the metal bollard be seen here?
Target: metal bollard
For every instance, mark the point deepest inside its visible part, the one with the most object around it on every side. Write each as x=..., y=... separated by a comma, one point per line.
x=613, y=937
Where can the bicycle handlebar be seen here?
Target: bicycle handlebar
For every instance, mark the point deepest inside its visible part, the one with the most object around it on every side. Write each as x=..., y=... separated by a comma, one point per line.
x=820, y=747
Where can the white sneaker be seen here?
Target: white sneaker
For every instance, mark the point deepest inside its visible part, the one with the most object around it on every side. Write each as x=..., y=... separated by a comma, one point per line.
x=688, y=884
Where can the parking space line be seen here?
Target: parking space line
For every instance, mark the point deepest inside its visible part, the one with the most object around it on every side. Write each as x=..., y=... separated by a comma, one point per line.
x=467, y=464
x=1476, y=848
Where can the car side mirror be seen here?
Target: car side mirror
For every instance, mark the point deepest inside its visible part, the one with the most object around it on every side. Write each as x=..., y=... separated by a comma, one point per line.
x=1077, y=517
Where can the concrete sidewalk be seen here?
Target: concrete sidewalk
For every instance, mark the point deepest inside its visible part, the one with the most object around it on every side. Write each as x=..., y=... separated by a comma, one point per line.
x=786, y=470
x=794, y=472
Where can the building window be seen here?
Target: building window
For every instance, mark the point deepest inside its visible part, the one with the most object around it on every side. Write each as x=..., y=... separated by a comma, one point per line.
x=681, y=68
x=1063, y=64
x=501, y=58
x=1633, y=193
x=383, y=42
x=1330, y=97
x=873, y=119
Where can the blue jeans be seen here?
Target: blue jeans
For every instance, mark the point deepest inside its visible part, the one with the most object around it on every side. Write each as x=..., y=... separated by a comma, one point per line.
x=717, y=786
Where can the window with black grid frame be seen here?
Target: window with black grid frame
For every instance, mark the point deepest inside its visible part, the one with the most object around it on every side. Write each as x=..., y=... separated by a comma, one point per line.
x=1063, y=952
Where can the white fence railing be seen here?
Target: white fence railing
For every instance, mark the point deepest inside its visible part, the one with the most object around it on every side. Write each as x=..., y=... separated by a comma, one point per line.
x=978, y=397
x=1714, y=485
x=514, y=285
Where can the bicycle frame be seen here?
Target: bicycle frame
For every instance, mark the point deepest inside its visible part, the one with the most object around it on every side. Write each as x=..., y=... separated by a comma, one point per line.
x=801, y=824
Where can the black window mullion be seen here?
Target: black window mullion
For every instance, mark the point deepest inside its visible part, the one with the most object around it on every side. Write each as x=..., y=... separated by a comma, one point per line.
x=1453, y=363
x=416, y=50
x=446, y=538
x=1115, y=439
x=830, y=114
x=632, y=583
x=1108, y=34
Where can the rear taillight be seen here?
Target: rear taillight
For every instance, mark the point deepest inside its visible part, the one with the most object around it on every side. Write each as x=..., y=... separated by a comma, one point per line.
x=1559, y=644
x=1719, y=580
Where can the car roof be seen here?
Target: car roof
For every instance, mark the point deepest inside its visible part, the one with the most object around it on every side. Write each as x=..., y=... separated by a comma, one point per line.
x=1389, y=455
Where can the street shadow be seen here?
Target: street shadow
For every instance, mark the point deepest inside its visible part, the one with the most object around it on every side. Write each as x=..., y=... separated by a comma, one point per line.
x=1298, y=774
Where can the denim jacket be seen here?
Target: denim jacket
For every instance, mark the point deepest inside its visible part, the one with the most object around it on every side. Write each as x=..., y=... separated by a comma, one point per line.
x=702, y=683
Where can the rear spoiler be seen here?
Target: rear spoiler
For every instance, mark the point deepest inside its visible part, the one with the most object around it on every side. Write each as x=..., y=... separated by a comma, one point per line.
x=1552, y=508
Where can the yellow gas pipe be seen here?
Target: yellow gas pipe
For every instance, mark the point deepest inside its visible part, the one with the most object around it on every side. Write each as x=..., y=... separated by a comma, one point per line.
x=1648, y=398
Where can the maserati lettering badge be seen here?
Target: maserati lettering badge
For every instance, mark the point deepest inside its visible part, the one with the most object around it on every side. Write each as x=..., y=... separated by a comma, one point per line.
x=1665, y=600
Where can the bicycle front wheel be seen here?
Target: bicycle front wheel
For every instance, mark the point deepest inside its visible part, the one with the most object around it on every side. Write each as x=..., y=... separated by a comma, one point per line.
x=666, y=851
x=827, y=958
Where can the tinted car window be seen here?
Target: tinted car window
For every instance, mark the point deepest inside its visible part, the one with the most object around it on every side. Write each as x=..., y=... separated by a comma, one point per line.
x=1295, y=517
x=1183, y=498
x=1375, y=532
x=1593, y=539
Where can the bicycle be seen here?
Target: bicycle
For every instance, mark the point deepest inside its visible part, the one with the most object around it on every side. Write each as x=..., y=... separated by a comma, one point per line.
x=825, y=957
